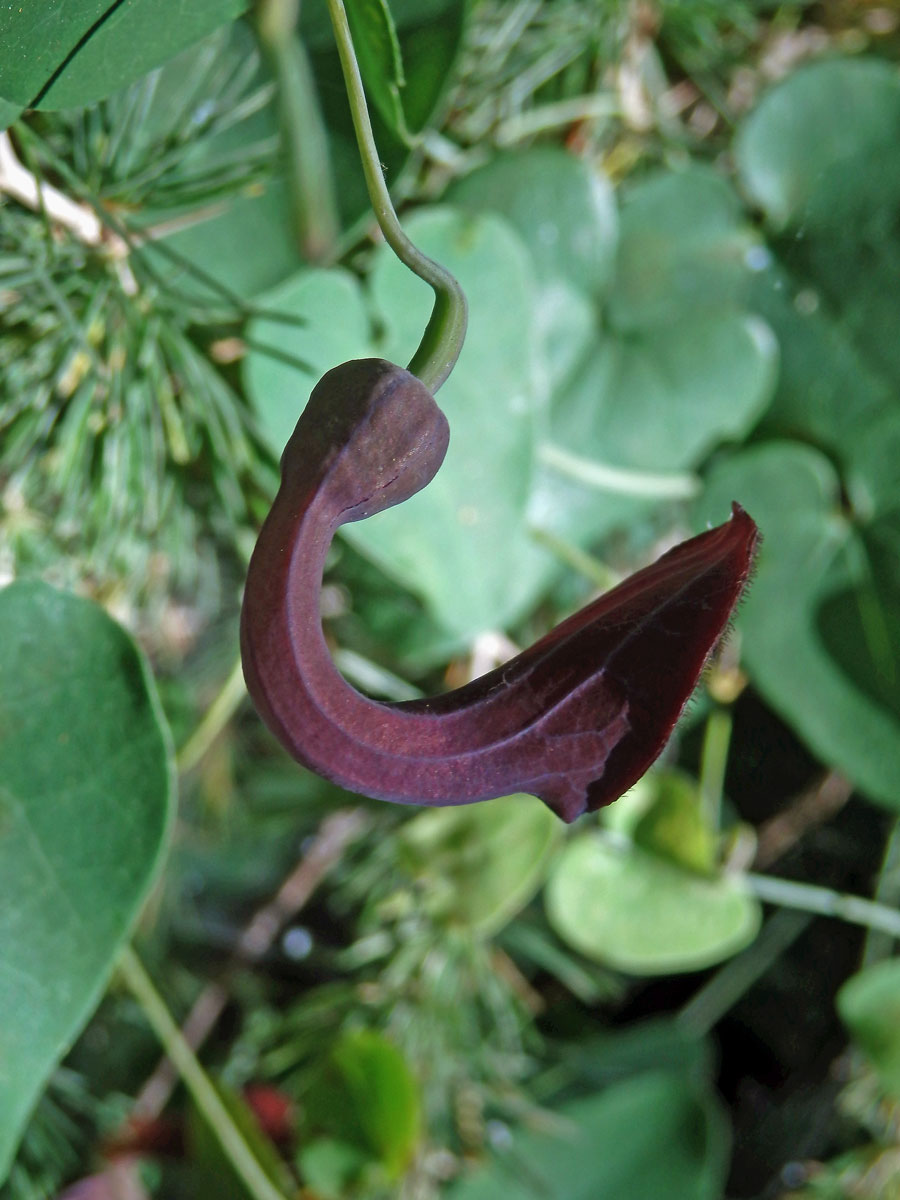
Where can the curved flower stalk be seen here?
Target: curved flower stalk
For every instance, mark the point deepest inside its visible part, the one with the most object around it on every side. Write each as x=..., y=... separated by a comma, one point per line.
x=575, y=719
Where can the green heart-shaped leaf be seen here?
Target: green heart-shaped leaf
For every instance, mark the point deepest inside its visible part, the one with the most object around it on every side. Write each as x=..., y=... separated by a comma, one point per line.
x=654, y=402
x=326, y=322
x=810, y=555
x=563, y=209
x=823, y=174
x=685, y=249
x=643, y=914
x=462, y=540
x=85, y=792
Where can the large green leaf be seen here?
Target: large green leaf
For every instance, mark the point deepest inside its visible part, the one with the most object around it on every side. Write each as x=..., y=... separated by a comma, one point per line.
x=680, y=364
x=85, y=790
x=663, y=399
x=563, y=209
x=826, y=673
x=8, y=113
x=828, y=390
x=821, y=148
x=67, y=55
x=566, y=214
x=658, y=402
x=217, y=245
x=644, y=914
x=650, y=1136
x=685, y=249
x=835, y=311
x=833, y=297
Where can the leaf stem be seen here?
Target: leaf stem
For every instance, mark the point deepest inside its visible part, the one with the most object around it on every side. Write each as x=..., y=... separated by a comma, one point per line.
x=443, y=337
x=713, y=764
x=720, y=994
x=623, y=481
x=198, y=1083
x=303, y=130
x=879, y=944
x=825, y=902
x=597, y=572
x=320, y=855
x=214, y=721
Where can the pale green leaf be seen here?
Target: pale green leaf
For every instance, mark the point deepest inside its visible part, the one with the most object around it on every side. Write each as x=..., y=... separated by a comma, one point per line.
x=640, y=913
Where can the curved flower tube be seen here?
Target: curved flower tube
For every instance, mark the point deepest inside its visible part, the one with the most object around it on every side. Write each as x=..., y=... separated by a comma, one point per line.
x=575, y=719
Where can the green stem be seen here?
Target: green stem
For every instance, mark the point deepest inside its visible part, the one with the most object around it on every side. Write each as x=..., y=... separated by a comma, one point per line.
x=197, y=1082
x=717, y=997
x=217, y=717
x=673, y=485
x=713, y=763
x=826, y=903
x=879, y=944
x=443, y=337
x=303, y=130
x=579, y=560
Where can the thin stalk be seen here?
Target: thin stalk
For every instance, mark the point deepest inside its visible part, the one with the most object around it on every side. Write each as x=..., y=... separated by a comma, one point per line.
x=824, y=902
x=322, y=853
x=879, y=944
x=217, y=717
x=671, y=485
x=443, y=337
x=311, y=178
x=706, y=1007
x=713, y=762
x=594, y=107
x=597, y=572
x=197, y=1082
